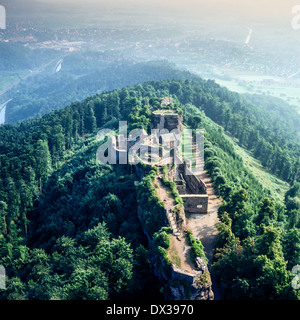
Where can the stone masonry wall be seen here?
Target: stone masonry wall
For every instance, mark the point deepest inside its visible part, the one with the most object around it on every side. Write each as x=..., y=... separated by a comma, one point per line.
x=194, y=183
x=166, y=121
x=195, y=203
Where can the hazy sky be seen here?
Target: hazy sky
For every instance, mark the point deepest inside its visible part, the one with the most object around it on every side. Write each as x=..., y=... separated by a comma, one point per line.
x=260, y=7
x=216, y=15
x=259, y=10
x=216, y=10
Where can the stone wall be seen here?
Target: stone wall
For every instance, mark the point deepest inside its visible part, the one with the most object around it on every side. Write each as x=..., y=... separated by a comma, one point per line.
x=192, y=190
x=195, y=184
x=195, y=203
x=183, y=275
x=180, y=284
x=169, y=121
x=181, y=186
x=186, y=286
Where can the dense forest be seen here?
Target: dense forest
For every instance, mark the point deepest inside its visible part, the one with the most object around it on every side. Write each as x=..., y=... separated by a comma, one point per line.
x=70, y=229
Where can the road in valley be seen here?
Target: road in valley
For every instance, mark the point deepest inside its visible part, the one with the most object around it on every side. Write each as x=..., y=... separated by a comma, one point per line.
x=31, y=74
x=2, y=111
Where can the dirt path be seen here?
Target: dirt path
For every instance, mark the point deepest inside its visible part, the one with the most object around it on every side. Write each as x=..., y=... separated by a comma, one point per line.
x=203, y=226
x=179, y=247
x=164, y=195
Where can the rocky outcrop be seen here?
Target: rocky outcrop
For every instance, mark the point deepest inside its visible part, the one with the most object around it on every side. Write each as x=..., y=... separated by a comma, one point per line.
x=184, y=285
x=179, y=284
x=196, y=293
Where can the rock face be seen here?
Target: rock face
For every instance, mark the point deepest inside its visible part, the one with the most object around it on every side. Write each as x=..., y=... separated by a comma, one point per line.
x=180, y=284
x=201, y=265
x=196, y=293
x=184, y=285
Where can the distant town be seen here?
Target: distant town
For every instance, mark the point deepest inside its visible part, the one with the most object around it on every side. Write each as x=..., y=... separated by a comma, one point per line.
x=238, y=66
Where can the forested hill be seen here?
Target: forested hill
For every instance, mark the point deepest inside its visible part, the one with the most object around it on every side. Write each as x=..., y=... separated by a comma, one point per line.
x=70, y=229
x=277, y=107
x=82, y=75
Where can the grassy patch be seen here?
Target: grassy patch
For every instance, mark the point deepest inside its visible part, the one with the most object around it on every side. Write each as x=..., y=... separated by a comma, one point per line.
x=197, y=246
x=205, y=279
x=269, y=181
x=172, y=252
x=174, y=192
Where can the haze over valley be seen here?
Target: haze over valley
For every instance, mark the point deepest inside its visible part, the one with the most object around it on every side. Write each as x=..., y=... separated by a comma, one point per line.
x=247, y=48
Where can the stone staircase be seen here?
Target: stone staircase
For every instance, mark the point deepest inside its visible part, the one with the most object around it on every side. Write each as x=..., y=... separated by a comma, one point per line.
x=172, y=221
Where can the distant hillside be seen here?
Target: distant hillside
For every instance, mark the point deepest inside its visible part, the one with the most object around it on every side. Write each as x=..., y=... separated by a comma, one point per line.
x=278, y=108
x=15, y=57
x=48, y=91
